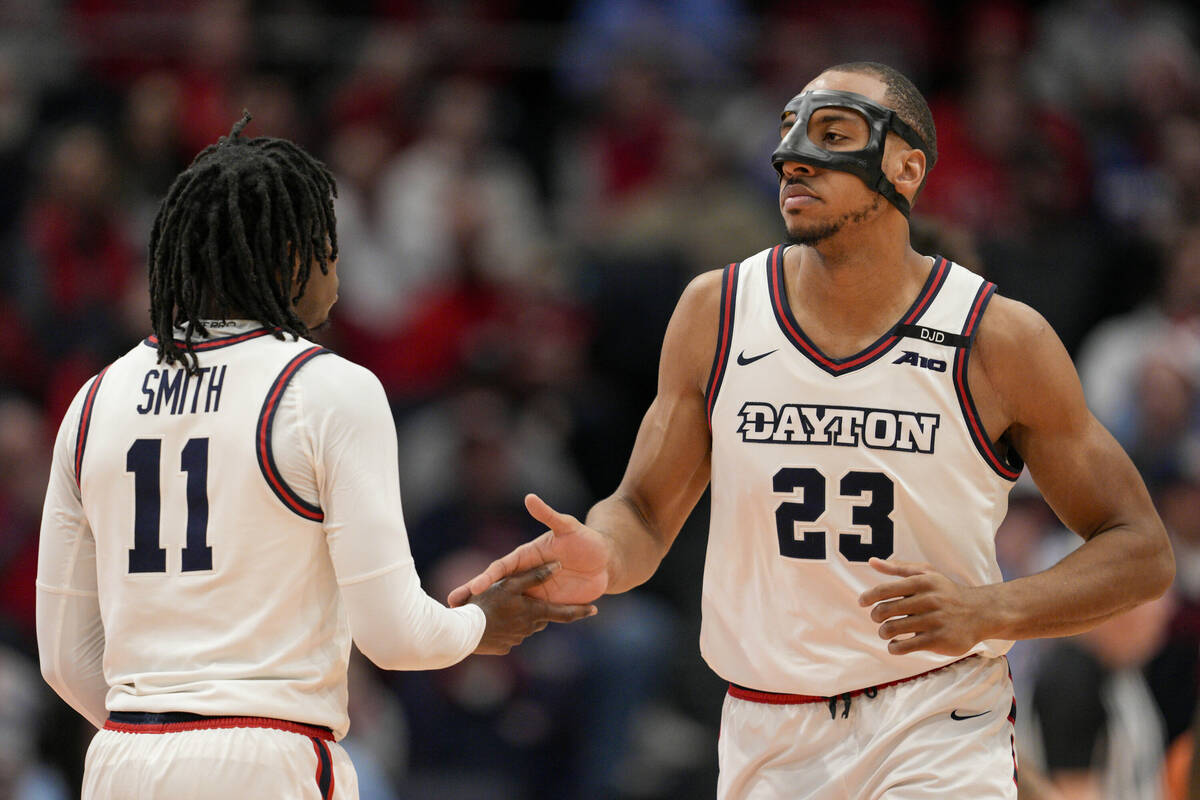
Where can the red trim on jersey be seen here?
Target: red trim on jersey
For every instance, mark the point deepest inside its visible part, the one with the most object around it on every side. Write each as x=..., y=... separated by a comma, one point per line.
x=85, y=423
x=778, y=699
x=266, y=461
x=316, y=743
x=982, y=443
x=937, y=276
x=216, y=723
x=224, y=341
x=724, y=337
x=1012, y=740
x=324, y=776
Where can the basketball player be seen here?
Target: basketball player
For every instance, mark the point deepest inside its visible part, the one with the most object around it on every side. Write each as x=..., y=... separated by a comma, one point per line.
x=224, y=512
x=861, y=412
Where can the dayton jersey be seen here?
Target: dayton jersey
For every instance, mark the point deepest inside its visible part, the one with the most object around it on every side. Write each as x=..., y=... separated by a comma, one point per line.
x=224, y=508
x=819, y=464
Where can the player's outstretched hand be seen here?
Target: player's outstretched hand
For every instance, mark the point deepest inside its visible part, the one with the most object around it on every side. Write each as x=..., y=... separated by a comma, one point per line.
x=930, y=611
x=582, y=552
x=512, y=615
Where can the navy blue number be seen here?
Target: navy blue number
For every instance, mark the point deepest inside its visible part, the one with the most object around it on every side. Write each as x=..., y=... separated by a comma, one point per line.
x=143, y=460
x=806, y=544
x=876, y=515
x=197, y=555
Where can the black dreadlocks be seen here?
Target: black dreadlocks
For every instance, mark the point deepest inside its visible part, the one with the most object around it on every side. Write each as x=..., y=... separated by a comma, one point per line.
x=229, y=236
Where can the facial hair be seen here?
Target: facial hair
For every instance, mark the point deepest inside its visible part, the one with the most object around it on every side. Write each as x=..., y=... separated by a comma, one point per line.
x=824, y=230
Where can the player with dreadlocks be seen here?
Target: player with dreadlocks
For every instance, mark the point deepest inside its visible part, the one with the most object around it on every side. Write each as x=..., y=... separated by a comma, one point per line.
x=223, y=511
x=230, y=222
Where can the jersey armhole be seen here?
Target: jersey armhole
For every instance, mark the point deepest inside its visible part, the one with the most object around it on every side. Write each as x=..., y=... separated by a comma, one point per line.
x=262, y=435
x=1006, y=465
x=724, y=339
x=85, y=425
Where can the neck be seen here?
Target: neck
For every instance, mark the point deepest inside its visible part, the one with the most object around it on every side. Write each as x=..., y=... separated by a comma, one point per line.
x=855, y=284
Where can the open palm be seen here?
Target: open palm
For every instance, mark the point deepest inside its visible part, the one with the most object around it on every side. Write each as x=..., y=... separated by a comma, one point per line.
x=582, y=553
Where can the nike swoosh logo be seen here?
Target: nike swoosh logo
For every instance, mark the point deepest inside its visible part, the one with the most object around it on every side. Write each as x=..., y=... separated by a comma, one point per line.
x=955, y=715
x=743, y=361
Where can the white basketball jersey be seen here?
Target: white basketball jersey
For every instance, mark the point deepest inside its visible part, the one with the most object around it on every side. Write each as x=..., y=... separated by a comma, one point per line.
x=819, y=464
x=216, y=588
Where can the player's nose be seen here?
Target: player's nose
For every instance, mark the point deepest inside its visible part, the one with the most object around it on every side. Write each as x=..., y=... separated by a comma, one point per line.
x=793, y=169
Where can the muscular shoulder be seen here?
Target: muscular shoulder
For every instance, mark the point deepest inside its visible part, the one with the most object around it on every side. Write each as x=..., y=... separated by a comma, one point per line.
x=691, y=336
x=1008, y=329
x=1024, y=365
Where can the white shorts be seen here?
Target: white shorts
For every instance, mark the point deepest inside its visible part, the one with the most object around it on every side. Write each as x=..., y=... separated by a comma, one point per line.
x=217, y=764
x=945, y=734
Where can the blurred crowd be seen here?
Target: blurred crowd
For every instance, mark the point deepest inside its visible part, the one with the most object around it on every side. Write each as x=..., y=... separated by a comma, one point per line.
x=524, y=189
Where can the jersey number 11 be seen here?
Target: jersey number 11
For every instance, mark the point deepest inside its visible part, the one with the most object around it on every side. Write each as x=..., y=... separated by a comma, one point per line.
x=143, y=460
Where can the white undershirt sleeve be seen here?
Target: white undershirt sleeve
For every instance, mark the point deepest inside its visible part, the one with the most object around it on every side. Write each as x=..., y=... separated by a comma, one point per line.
x=69, y=630
x=335, y=443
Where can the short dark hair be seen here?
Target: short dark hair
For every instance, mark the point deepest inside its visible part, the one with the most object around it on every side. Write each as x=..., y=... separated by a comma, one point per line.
x=229, y=234
x=904, y=98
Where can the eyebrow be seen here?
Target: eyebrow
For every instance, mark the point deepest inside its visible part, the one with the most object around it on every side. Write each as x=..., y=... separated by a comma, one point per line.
x=828, y=116
x=833, y=116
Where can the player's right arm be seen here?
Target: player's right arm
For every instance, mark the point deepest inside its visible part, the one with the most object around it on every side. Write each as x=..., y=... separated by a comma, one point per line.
x=627, y=534
x=347, y=430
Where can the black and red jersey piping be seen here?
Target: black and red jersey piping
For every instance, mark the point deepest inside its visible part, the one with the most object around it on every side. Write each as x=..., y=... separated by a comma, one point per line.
x=840, y=366
x=1006, y=465
x=85, y=424
x=262, y=437
x=218, y=343
x=724, y=338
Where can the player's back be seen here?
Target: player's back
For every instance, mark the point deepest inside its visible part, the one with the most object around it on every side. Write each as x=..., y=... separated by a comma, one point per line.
x=216, y=587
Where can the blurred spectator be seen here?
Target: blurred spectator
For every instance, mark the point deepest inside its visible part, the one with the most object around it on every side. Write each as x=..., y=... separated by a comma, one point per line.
x=16, y=127
x=151, y=148
x=1053, y=254
x=380, y=90
x=900, y=33
x=1171, y=204
x=460, y=234
x=1081, y=59
x=1139, y=370
x=456, y=198
x=216, y=56
x=378, y=739
x=23, y=775
x=1100, y=729
x=24, y=468
x=697, y=40
x=617, y=147
x=371, y=285
x=520, y=709
x=694, y=208
x=83, y=260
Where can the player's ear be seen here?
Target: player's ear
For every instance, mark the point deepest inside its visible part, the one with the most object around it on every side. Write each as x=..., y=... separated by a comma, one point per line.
x=908, y=166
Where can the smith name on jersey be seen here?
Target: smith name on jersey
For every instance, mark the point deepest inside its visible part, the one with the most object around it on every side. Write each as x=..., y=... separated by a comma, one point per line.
x=820, y=464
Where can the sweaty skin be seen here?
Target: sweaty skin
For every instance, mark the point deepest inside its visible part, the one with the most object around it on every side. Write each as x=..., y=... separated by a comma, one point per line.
x=847, y=288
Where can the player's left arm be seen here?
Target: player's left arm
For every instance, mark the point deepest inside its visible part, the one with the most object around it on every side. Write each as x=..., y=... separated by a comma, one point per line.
x=1031, y=392
x=70, y=633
